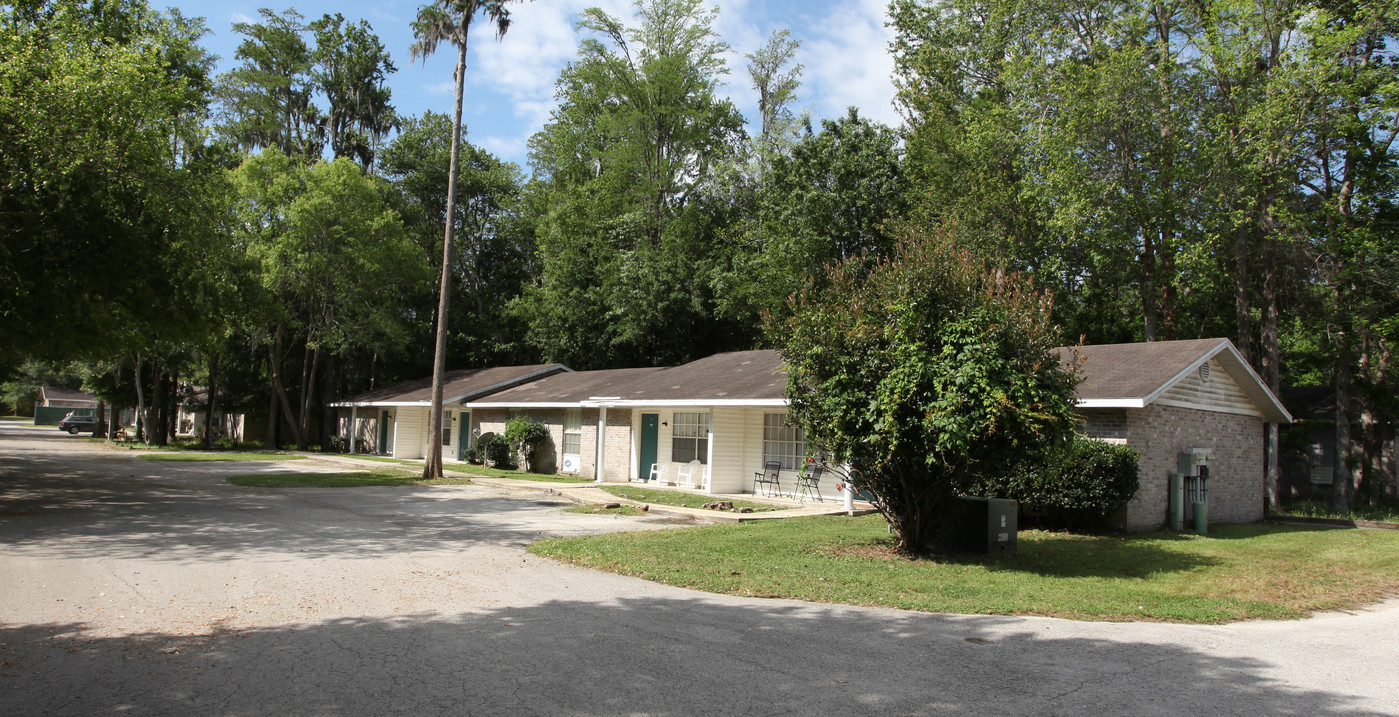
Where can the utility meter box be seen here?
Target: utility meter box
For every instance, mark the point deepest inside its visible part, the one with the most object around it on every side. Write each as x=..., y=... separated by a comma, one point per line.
x=1189, y=460
x=983, y=525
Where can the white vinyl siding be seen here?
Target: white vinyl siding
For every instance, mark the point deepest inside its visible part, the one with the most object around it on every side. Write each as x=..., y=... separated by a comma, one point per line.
x=1219, y=393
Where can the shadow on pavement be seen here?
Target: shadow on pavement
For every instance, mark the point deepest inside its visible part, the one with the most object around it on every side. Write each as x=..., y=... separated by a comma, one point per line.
x=634, y=657
x=124, y=507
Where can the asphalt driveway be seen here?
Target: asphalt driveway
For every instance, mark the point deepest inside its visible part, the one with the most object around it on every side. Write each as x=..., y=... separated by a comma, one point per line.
x=143, y=588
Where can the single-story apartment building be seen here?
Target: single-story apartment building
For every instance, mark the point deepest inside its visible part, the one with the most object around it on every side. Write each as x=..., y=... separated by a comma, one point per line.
x=55, y=402
x=717, y=421
x=393, y=421
x=1165, y=398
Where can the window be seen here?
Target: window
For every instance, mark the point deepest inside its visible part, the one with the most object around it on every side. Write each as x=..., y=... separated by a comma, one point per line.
x=783, y=442
x=446, y=428
x=689, y=437
x=572, y=431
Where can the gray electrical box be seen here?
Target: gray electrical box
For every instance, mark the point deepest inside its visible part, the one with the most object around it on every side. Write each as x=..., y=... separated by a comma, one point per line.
x=983, y=525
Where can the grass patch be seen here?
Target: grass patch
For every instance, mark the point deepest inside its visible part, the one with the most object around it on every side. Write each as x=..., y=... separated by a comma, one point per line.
x=678, y=498
x=1387, y=511
x=1239, y=572
x=221, y=456
x=29, y=419
x=515, y=475
x=348, y=479
x=384, y=459
x=593, y=509
x=180, y=444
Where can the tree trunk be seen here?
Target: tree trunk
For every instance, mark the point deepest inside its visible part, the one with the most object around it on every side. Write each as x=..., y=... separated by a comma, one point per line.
x=1148, y=288
x=1272, y=374
x=308, y=385
x=140, y=403
x=330, y=394
x=100, y=429
x=278, y=389
x=212, y=400
x=156, y=428
x=1243, y=320
x=432, y=467
x=1341, y=477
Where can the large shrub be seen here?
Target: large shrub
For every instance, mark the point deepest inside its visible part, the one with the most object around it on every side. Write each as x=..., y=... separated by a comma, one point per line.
x=521, y=434
x=1078, y=485
x=926, y=373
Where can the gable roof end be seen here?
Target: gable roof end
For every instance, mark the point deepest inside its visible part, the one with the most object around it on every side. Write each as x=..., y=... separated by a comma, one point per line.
x=1136, y=375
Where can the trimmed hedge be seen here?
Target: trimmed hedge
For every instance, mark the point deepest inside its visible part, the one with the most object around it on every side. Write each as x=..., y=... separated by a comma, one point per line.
x=1082, y=484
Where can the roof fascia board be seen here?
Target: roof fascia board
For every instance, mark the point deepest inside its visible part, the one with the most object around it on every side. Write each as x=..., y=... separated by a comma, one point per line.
x=1110, y=403
x=365, y=404
x=689, y=402
x=522, y=404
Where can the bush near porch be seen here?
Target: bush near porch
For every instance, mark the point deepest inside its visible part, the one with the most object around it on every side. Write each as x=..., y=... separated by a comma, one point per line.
x=1238, y=572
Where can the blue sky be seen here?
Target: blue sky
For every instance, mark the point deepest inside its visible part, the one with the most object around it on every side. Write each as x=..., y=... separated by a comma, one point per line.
x=510, y=84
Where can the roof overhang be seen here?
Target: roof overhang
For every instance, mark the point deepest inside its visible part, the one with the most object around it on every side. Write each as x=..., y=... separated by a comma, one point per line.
x=1234, y=364
x=1110, y=403
x=458, y=399
x=635, y=403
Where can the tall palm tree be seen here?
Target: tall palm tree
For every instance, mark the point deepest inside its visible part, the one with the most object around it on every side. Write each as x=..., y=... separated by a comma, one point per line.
x=449, y=20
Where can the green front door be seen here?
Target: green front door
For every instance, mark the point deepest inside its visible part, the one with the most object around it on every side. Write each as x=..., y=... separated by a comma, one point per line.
x=464, y=440
x=384, y=432
x=650, y=431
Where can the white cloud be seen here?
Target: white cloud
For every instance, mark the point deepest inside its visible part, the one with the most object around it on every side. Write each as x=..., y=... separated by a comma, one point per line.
x=848, y=62
x=504, y=146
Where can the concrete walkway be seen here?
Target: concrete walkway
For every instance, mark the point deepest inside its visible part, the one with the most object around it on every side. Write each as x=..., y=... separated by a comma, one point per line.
x=593, y=494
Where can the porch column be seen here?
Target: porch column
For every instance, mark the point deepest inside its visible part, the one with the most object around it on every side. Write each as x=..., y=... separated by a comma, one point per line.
x=709, y=455
x=601, y=443
x=354, y=410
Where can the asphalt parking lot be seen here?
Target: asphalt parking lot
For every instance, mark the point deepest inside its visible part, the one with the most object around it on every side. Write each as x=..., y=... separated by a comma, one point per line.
x=145, y=588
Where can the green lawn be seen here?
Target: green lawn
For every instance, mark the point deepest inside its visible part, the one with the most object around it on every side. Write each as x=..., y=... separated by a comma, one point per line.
x=347, y=479
x=1236, y=573
x=221, y=456
x=28, y=419
x=385, y=459
x=677, y=498
x=1386, y=511
x=513, y=474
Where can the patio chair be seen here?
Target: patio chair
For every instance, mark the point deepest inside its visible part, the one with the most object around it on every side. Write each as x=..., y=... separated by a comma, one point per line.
x=686, y=475
x=809, y=482
x=657, y=473
x=704, y=480
x=770, y=476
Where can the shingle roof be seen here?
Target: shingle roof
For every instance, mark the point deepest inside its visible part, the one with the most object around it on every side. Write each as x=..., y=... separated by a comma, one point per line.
x=1143, y=371
x=736, y=376
x=1135, y=370
x=460, y=385
x=55, y=393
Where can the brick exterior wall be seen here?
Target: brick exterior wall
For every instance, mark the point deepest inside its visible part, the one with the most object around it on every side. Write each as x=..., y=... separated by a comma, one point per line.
x=616, y=465
x=1105, y=423
x=1236, y=469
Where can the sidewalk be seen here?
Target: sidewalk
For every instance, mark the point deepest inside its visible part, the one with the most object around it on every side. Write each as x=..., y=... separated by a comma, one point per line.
x=591, y=494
